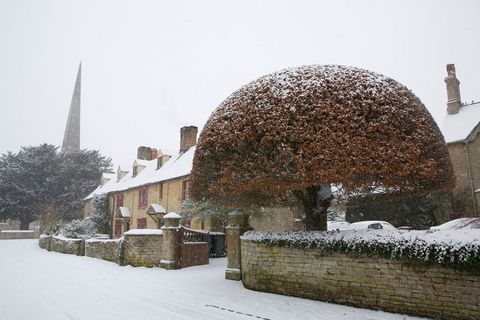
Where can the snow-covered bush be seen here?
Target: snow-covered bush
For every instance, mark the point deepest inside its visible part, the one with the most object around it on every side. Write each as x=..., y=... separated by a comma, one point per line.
x=458, y=249
x=299, y=130
x=79, y=229
x=99, y=213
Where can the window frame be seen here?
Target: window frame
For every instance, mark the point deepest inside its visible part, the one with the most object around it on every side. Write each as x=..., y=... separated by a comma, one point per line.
x=141, y=223
x=120, y=198
x=143, y=197
x=185, y=186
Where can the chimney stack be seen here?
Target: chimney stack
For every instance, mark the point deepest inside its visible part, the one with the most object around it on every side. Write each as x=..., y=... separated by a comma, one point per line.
x=188, y=138
x=453, y=90
x=144, y=153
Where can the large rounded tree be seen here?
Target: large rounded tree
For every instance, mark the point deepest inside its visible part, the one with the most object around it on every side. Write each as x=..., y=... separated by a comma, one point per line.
x=288, y=136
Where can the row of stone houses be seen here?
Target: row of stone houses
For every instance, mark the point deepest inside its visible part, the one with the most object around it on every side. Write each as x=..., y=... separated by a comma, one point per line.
x=156, y=183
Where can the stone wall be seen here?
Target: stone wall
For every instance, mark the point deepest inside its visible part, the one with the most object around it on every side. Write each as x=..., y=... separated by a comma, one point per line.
x=361, y=281
x=45, y=242
x=103, y=249
x=276, y=219
x=143, y=250
x=170, y=197
x=10, y=224
x=68, y=246
x=463, y=168
x=19, y=234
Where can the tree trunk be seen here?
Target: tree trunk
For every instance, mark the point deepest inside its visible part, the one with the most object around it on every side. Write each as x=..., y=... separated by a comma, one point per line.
x=316, y=201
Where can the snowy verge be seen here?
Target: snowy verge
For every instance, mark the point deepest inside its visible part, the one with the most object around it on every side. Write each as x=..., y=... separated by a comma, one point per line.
x=459, y=249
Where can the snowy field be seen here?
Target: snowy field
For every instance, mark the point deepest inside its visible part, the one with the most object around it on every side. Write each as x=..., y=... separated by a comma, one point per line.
x=37, y=284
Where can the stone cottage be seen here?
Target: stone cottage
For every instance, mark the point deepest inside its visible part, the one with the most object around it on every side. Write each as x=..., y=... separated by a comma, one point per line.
x=460, y=130
x=156, y=183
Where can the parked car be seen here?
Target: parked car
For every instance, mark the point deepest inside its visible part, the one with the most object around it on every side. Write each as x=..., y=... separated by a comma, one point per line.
x=461, y=223
x=338, y=225
x=378, y=225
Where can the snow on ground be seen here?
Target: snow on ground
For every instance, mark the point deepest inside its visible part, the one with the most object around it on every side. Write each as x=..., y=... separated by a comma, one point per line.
x=37, y=284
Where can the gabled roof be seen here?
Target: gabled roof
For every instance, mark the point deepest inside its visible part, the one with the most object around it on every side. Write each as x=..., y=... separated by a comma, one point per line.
x=177, y=166
x=123, y=212
x=457, y=127
x=156, y=208
x=140, y=162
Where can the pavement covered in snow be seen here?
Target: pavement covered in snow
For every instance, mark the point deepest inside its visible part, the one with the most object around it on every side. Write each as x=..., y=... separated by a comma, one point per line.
x=37, y=284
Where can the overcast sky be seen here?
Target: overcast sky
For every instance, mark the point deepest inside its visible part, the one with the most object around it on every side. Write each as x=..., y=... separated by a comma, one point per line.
x=151, y=67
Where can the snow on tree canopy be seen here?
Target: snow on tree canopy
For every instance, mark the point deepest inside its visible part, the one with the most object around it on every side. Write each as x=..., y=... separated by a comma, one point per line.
x=319, y=124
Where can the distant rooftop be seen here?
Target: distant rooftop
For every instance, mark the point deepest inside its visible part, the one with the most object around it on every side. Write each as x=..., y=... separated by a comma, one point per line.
x=177, y=166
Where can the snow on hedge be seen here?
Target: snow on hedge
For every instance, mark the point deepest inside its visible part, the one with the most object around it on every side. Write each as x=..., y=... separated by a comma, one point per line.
x=458, y=249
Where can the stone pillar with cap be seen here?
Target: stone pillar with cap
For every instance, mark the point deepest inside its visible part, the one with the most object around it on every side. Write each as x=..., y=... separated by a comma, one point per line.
x=171, y=241
x=237, y=225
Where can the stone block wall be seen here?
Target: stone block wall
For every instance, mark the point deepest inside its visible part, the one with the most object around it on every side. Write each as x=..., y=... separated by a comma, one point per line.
x=19, y=234
x=68, y=246
x=142, y=250
x=464, y=167
x=10, y=224
x=276, y=219
x=103, y=249
x=44, y=242
x=361, y=281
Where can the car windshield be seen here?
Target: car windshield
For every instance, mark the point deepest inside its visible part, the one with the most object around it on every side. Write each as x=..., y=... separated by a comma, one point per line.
x=375, y=226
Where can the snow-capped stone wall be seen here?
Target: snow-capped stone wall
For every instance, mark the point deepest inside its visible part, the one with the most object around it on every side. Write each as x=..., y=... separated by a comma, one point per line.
x=44, y=241
x=105, y=249
x=142, y=250
x=19, y=234
x=67, y=246
x=360, y=280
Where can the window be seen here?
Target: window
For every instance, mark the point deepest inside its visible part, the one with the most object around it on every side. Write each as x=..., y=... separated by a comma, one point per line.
x=142, y=223
x=160, y=191
x=185, y=184
x=143, y=198
x=118, y=227
x=134, y=173
x=119, y=200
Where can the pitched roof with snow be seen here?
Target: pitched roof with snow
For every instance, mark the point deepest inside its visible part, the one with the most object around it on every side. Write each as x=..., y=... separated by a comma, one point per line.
x=177, y=166
x=457, y=127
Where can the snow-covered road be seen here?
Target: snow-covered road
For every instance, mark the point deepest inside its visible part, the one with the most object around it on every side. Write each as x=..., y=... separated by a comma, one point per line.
x=37, y=284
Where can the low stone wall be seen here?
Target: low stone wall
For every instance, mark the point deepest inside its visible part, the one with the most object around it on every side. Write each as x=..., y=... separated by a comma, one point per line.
x=142, y=250
x=19, y=234
x=138, y=247
x=45, y=242
x=68, y=246
x=193, y=254
x=103, y=249
x=361, y=281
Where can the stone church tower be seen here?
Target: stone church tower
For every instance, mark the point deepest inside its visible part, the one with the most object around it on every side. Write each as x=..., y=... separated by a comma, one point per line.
x=71, y=139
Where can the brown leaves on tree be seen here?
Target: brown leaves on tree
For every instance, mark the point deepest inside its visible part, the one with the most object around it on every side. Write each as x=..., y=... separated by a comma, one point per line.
x=315, y=125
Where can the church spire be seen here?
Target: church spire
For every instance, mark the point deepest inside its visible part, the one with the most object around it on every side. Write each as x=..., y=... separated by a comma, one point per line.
x=71, y=139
